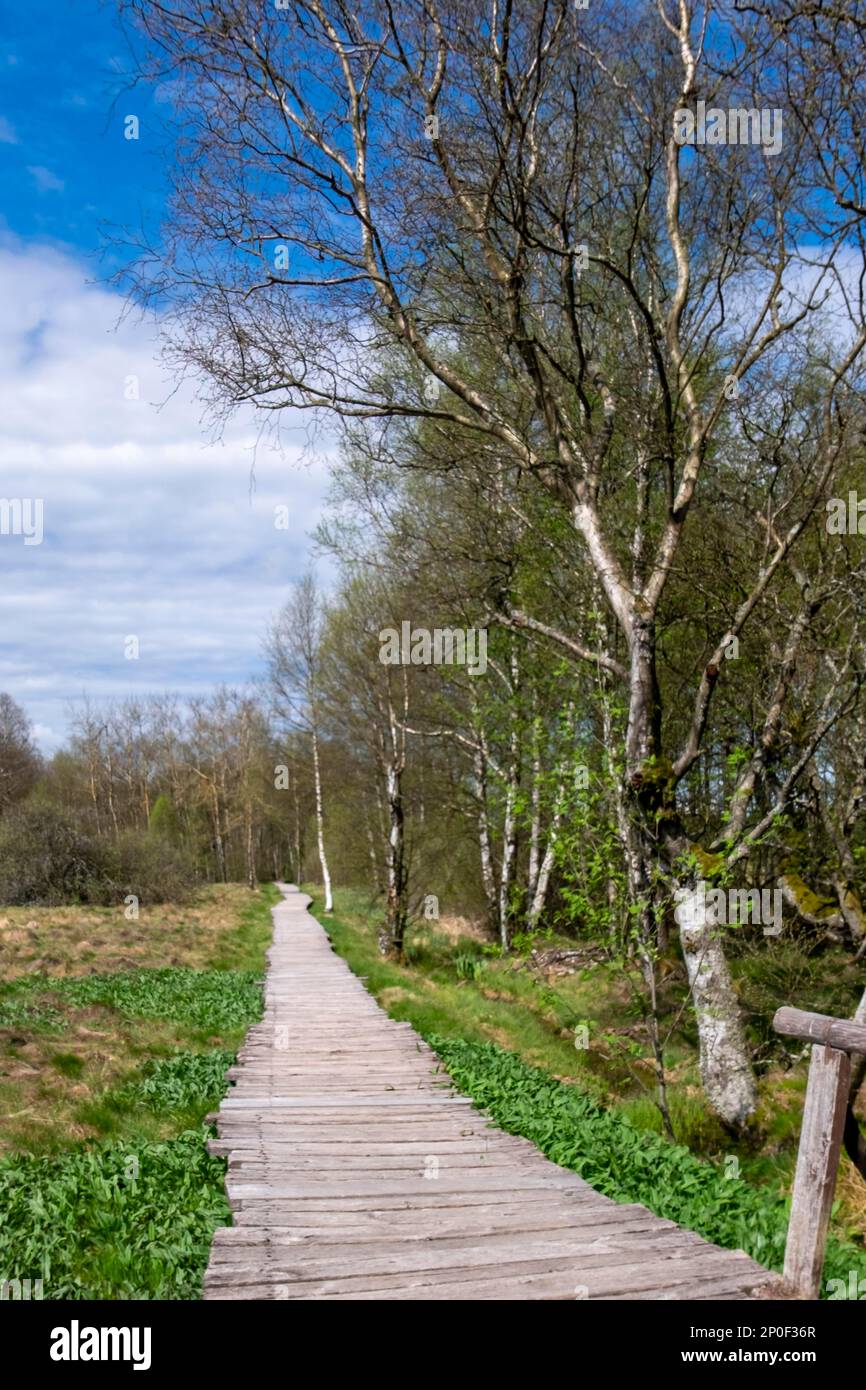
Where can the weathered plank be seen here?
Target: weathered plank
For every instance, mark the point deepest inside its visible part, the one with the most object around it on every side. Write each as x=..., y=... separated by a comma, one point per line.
x=817, y=1163
x=840, y=1033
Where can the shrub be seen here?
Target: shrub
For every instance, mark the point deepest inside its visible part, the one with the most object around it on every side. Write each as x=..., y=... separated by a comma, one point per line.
x=47, y=859
x=163, y=818
x=152, y=868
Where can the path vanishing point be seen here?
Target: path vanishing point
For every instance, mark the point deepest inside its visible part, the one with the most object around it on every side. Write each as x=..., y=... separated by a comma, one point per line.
x=355, y=1171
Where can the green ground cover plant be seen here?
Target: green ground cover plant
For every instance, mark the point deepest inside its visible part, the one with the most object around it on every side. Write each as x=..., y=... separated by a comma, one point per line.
x=128, y=1210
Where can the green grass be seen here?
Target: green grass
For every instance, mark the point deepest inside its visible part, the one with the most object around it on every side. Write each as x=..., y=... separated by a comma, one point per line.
x=196, y=988
x=113, y=1221
x=213, y=1001
x=465, y=988
x=244, y=948
x=508, y=1039
x=218, y=999
x=190, y=1078
x=19, y=1013
x=439, y=991
x=628, y=1164
x=131, y=1214
x=68, y=1064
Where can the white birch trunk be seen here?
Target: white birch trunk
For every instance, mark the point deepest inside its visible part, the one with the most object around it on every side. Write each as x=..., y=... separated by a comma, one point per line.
x=543, y=881
x=538, y=900
x=320, y=823
x=726, y=1072
x=535, y=821
x=488, y=876
x=509, y=848
x=250, y=851
x=396, y=861
x=509, y=827
x=375, y=877
x=297, y=833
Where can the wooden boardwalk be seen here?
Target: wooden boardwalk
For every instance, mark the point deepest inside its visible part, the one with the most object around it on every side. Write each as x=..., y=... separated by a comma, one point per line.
x=356, y=1172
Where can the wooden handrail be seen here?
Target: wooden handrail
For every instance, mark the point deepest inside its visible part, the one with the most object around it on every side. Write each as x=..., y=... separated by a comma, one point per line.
x=840, y=1033
x=834, y=1040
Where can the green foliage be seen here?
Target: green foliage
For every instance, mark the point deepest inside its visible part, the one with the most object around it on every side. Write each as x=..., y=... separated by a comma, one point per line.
x=163, y=818
x=467, y=966
x=214, y=1000
x=122, y=1220
x=208, y=999
x=17, y=1012
x=823, y=982
x=628, y=1164
x=587, y=858
x=185, y=1080
x=522, y=942
x=68, y=1064
x=133, y=1216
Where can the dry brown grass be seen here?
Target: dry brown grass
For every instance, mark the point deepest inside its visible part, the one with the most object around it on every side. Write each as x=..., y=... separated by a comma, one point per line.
x=47, y=1077
x=89, y=940
x=851, y=1196
x=39, y=1102
x=457, y=929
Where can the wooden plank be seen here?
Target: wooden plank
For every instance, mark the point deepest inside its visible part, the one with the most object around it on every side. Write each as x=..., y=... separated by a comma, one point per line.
x=347, y=1121
x=421, y=1261
x=839, y=1033
x=267, y=1168
x=367, y=1102
x=254, y=1247
x=815, y=1176
x=506, y=1280
x=439, y=1224
x=380, y=1185
x=276, y=1211
x=337, y=1145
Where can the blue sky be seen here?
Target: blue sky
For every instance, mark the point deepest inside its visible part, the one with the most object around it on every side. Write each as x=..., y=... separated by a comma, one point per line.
x=65, y=93
x=152, y=528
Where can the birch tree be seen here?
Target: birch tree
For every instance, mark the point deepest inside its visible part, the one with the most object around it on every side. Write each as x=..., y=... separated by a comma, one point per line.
x=370, y=703
x=293, y=648
x=406, y=180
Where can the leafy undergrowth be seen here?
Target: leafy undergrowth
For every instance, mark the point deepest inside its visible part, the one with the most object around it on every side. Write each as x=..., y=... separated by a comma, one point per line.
x=115, y=1221
x=627, y=1164
x=190, y=1078
x=69, y=1039
x=463, y=993
x=216, y=1000
x=111, y=1193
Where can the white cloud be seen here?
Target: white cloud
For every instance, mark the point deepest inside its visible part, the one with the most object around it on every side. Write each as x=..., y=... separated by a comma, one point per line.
x=47, y=738
x=7, y=132
x=149, y=529
x=45, y=181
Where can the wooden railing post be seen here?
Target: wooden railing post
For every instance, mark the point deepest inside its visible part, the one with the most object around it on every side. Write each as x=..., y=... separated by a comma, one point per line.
x=820, y=1140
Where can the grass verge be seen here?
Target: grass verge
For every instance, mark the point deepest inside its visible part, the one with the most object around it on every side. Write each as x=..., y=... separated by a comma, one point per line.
x=507, y=1037
x=627, y=1164
x=110, y=1192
